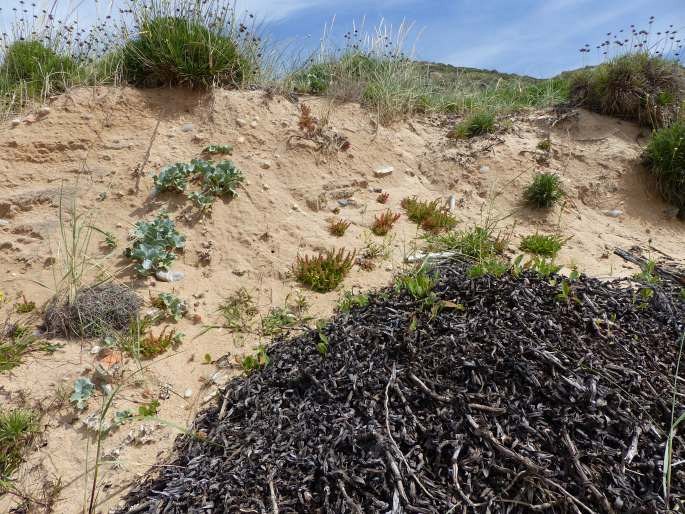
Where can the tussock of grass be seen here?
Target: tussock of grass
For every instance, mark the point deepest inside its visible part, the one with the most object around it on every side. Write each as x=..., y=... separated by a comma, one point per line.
x=665, y=155
x=238, y=310
x=324, y=272
x=18, y=427
x=540, y=244
x=430, y=216
x=182, y=50
x=476, y=243
x=636, y=86
x=544, y=191
x=473, y=125
x=17, y=341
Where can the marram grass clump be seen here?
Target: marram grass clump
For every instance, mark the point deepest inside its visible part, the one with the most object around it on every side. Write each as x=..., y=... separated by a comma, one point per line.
x=475, y=124
x=544, y=191
x=665, y=157
x=636, y=86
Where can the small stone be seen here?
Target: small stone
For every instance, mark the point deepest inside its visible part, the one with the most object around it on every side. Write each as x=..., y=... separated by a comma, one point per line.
x=295, y=207
x=95, y=350
x=4, y=223
x=187, y=127
x=383, y=171
x=265, y=165
x=240, y=122
x=614, y=213
x=484, y=169
x=170, y=276
x=43, y=111
x=16, y=122
x=187, y=393
x=241, y=140
x=253, y=124
x=265, y=187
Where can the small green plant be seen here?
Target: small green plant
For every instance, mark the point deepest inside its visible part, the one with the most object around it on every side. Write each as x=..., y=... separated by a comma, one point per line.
x=384, y=222
x=475, y=243
x=419, y=283
x=544, y=145
x=277, y=320
x=18, y=427
x=488, y=266
x=338, y=227
x=154, y=244
x=173, y=178
x=220, y=179
x=148, y=410
x=238, y=310
x=648, y=274
x=348, y=301
x=25, y=307
x=322, y=344
x=324, y=272
x=259, y=360
x=544, y=191
x=218, y=150
x=202, y=201
x=540, y=244
x=16, y=341
x=565, y=292
x=151, y=346
x=665, y=157
x=110, y=240
x=83, y=390
x=170, y=305
x=431, y=216
x=682, y=293
x=473, y=125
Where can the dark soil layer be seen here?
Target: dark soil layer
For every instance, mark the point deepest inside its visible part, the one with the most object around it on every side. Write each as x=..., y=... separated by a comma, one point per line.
x=510, y=399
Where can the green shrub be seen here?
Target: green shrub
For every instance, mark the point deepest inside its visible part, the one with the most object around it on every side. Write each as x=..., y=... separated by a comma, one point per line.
x=475, y=124
x=419, y=284
x=154, y=244
x=175, y=50
x=636, y=86
x=540, y=244
x=18, y=427
x=324, y=272
x=170, y=305
x=36, y=69
x=665, y=157
x=220, y=179
x=313, y=80
x=173, y=178
x=544, y=191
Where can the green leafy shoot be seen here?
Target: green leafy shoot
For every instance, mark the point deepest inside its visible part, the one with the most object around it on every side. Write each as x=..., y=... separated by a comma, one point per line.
x=648, y=274
x=202, y=201
x=322, y=344
x=476, y=243
x=25, y=307
x=542, y=266
x=338, y=227
x=259, y=360
x=149, y=410
x=489, y=266
x=277, y=320
x=384, y=222
x=418, y=284
x=348, y=301
x=173, y=178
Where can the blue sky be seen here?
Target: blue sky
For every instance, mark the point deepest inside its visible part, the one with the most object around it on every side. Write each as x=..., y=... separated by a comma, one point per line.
x=533, y=37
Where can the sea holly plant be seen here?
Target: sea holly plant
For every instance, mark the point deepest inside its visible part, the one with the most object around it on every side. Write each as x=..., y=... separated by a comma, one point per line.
x=154, y=244
x=173, y=178
x=170, y=305
x=215, y=179
x=83, y=390
x=218, y=150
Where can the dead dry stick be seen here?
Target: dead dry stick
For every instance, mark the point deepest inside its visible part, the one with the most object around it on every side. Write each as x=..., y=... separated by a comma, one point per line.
x=599, y=497
x=141, y=170
x=427, y=390
x=272, y=491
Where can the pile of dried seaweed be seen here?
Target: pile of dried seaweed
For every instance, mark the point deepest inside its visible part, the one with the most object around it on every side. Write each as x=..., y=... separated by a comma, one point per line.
x=511, y=398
